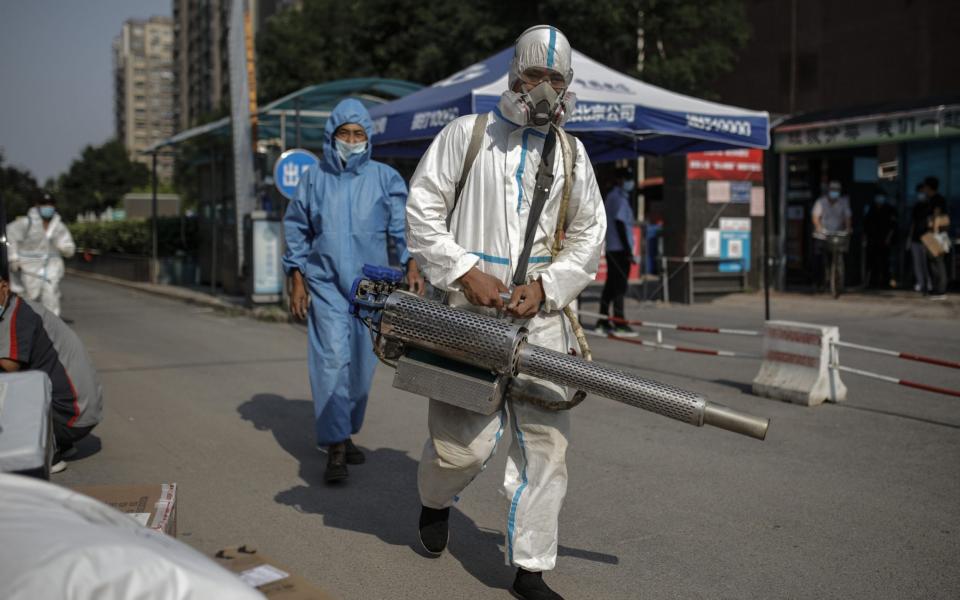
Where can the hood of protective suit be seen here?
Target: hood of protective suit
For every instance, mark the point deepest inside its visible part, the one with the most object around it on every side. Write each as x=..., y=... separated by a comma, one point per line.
x=34, y=214
x=541, y=46
x=347, y=111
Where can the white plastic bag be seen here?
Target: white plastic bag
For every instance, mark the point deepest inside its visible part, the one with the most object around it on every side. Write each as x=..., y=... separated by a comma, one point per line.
x=58, y=544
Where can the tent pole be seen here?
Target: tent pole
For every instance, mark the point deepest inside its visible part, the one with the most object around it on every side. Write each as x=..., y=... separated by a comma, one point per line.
x=283, y=131
x=214, y=202
x=766, y=249
x=155, y=261
x=296, y=105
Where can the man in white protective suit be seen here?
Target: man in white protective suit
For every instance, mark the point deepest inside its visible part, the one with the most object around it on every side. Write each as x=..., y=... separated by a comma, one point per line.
x=38, y=243
x=471, y=246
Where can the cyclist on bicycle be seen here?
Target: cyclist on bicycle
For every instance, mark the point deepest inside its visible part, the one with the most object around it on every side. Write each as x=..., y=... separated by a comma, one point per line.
x=831, y=215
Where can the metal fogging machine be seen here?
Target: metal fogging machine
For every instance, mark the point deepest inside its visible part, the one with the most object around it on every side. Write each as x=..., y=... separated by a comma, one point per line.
x=467, y=359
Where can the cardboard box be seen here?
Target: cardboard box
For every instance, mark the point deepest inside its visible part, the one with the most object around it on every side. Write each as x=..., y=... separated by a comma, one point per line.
x=153, y=505
x=932, y=243
x=271, y=579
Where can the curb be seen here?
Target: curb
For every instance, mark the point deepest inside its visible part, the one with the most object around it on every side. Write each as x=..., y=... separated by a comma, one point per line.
x=272, y=314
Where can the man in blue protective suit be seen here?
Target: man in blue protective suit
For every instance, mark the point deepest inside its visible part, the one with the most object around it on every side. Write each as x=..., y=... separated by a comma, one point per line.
x=340, y=218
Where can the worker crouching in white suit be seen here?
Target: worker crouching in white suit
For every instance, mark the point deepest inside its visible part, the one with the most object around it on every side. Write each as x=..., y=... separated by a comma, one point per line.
x=474, y=258
x=38, y=243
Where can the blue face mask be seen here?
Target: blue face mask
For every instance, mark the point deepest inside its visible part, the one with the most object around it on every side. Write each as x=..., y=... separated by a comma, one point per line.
x=346, y=150
x=47, y=212
x=629, y=185
x=833, y=194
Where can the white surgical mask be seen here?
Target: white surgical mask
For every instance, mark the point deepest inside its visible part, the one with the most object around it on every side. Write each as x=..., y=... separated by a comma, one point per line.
x=628, y=185
x=47, y=212
x=346, y=150
x=833, y=194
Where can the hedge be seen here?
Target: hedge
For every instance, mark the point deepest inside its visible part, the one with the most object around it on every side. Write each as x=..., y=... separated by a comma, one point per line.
x=135, y=237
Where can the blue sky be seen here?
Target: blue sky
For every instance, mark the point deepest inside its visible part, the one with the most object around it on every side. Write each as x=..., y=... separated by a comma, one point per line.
x=56, y=90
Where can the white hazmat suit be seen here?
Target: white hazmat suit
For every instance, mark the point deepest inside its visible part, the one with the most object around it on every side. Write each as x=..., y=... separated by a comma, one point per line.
x=36, y=257
x=486, y=231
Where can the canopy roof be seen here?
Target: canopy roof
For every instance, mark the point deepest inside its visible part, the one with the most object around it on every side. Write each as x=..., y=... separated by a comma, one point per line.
x=314, y=104
x=616, y=116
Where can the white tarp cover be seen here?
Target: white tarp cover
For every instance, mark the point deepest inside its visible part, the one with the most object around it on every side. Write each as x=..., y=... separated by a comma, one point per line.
x=58, y=544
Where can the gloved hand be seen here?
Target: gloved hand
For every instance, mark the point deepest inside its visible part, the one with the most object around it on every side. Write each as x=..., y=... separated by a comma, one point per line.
x=482, y=289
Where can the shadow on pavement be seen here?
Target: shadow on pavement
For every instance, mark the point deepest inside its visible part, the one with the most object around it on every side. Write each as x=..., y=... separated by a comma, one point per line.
x=87, y=447
x=891, y=413
x=745, y=388
x=380, y=498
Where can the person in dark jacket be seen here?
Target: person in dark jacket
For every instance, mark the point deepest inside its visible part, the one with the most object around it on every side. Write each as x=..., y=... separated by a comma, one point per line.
x=879, y=226
x=34, y=339
x=619, y=254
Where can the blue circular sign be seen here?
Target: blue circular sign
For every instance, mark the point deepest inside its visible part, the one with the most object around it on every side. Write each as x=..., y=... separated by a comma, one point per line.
x=291, y=165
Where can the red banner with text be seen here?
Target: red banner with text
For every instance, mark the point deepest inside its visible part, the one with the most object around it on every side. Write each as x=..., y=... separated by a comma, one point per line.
x=726, y=165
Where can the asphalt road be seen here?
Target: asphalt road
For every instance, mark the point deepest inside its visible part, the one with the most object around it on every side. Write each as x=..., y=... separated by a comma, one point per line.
x=859, y=500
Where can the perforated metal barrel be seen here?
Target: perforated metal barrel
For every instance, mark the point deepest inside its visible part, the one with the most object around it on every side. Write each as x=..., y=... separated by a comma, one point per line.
x=575, y=372
x=458, y=334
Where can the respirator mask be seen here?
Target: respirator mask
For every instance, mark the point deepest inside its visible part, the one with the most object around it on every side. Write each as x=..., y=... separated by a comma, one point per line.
x=538, y=107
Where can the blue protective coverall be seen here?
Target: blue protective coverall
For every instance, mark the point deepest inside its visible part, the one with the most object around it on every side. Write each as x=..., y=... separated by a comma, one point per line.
x=338, y=220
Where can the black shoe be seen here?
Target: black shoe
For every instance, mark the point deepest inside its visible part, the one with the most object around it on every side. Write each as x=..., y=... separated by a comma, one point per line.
x=624, y=330
x=530, y=586
x=434, y=529
x=336, y=463
x=354, y=455
x=602, y=326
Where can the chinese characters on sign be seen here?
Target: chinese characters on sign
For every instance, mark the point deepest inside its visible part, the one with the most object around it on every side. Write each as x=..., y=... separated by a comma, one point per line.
x=729, y=165
x=603, y=112
x=433, y=118
x=921, y=124
x=290, y=167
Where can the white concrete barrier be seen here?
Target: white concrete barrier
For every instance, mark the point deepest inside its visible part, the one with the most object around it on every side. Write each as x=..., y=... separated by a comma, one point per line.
x=796, y=364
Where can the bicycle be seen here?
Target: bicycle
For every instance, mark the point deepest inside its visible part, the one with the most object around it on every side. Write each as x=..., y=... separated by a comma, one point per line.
x=837, y=243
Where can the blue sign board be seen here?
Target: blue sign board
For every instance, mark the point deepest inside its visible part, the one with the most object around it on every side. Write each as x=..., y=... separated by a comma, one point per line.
x=290, y=166
x=740, y=192
x=734, y=245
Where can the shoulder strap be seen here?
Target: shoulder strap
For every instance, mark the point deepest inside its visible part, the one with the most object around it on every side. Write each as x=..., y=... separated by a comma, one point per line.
x=476, y=139
x=568, y=145
x=540, y=193
x=572, y=145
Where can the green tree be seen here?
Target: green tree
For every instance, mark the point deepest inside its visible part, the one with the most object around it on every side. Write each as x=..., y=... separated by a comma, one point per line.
x=328, y=40
x=688, y=45
x=685, y=45
x=99, y=179
x=18, y=189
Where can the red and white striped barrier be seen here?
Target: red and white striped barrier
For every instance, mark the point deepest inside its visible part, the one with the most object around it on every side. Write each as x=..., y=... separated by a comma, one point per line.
x=903, y=382
x=662, y=346
x=904, y=355
x=796, y=364
x=673, y=326
x=800, y=360
x=940, y=362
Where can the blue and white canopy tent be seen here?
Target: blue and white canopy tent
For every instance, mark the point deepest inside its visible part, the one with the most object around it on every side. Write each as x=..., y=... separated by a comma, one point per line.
x=616, y=116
